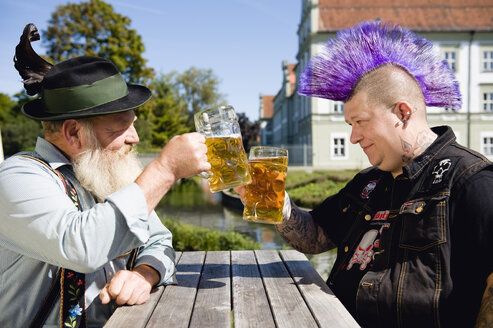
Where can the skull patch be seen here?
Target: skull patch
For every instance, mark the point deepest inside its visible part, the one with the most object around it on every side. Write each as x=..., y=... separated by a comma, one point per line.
x=440, y=169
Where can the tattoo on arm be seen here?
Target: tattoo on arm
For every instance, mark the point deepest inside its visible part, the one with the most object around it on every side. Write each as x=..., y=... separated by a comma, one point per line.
x=485, y=316
x=303, y=234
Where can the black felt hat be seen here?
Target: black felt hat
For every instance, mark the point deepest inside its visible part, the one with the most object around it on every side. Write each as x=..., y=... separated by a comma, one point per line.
x=83, y=87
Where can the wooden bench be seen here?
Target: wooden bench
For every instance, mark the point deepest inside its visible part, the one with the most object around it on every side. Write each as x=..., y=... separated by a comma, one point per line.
x=215, y=289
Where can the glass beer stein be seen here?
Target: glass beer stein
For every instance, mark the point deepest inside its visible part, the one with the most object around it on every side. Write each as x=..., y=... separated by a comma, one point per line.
x=225, y=152
x=264, y=196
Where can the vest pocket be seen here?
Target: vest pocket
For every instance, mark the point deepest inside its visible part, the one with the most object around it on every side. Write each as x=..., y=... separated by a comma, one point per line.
x=423, y=223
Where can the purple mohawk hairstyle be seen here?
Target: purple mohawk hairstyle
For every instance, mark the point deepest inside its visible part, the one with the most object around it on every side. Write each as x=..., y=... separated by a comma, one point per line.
x=334, y=72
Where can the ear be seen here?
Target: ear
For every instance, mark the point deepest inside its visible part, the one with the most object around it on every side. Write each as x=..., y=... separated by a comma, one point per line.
x=403, y=110
x=72, y=134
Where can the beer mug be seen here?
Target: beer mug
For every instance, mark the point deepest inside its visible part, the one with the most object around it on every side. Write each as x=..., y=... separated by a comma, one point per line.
x=225, y=152
x=264, y=196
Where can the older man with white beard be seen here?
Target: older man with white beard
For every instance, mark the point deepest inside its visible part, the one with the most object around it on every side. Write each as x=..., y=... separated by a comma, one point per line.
x=78, y=230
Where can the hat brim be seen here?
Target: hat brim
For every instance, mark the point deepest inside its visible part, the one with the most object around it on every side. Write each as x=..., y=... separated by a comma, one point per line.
x=137, y=96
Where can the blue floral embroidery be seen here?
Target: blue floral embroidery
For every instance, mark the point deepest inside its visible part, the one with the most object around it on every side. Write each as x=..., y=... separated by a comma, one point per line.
x=75, y=310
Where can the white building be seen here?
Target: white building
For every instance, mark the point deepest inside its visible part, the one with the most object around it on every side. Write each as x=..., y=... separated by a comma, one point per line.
x=314, y=129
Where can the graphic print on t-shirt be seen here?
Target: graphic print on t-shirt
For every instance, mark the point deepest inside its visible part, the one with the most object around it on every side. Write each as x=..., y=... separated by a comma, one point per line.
x=370, y=242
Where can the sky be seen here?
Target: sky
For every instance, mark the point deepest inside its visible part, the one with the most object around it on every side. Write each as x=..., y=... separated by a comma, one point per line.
x=244, y=42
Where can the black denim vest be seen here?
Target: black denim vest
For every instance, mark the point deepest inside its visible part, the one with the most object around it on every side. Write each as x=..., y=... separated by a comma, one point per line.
x=410, y=281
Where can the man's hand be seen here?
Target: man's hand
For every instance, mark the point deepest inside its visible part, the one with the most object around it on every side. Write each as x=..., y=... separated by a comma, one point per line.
x=130, y=287
x=185, y=155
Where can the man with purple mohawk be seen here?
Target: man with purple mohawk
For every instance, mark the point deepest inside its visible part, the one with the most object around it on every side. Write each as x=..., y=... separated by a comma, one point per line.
x=413, y=231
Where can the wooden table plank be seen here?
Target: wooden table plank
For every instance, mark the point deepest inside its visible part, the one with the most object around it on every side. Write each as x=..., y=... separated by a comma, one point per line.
x=136, y=315
x=250, y=305
x=175, y=306
x=213, y=303
x=325, y=306
x=287, y=304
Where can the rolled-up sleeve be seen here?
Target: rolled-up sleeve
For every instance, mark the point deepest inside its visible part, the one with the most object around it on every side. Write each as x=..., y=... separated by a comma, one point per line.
x=158, y=251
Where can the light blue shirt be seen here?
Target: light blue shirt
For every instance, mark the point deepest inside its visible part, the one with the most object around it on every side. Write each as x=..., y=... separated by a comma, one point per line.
x=41, y=230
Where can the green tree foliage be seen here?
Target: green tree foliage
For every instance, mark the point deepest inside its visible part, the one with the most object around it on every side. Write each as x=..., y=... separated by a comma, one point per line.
x=199, y=88
x=92, y=28
x=163, y=117
x=6, y=105
x=18, y=132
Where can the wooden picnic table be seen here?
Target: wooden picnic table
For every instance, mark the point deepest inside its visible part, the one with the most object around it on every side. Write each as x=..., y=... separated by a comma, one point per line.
x=262, y=288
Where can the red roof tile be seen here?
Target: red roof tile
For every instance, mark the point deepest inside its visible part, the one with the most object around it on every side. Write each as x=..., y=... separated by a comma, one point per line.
x=417, y=15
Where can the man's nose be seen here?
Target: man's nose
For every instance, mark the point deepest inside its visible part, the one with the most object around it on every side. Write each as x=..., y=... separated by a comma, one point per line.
x=355, y=136
x=132, y=136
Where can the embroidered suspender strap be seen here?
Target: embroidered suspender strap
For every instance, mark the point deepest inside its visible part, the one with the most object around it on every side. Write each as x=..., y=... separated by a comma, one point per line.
x=68, y=283
x=72, y=283
x=73, y=303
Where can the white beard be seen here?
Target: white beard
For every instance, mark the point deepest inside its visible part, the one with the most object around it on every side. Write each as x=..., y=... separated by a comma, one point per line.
x=102, y=172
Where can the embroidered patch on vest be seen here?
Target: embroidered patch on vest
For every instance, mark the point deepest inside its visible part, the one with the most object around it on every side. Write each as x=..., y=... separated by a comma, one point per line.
x=381, y=216
x=440, y=169
x=370, y=243
x=364, y=251
x=367, y=190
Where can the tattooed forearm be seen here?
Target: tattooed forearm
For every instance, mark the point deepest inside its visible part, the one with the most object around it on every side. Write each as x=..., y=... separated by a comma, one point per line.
x=485, y=316
x=301, y=232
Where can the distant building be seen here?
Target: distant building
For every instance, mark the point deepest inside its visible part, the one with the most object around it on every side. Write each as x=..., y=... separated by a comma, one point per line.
x=314, y=129
x=266, y=113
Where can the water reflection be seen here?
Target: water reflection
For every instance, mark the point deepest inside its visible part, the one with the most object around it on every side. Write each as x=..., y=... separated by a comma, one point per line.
x=190, y=201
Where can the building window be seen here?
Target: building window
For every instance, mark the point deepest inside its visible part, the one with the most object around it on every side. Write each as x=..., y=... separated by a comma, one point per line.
x=339, y=146
x=338, y=107
x=487, y=60
x=487, y=101
x=451, y=57
x=487, y=144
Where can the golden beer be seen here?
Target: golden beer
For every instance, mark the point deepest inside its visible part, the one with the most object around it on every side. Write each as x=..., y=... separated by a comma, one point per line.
x=264, y=196
x=229, y=165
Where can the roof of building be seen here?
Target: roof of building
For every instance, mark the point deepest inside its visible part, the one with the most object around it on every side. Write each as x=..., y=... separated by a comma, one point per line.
x=417, y=15
x=267, y=109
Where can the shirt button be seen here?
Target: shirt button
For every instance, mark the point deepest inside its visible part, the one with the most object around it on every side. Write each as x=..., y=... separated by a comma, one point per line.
x=367, y=217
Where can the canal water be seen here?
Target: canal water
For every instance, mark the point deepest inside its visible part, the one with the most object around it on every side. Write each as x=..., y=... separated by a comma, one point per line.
x=191, y=202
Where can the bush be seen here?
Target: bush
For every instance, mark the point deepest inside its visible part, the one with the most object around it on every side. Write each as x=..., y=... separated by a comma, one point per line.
x=313, y=193
x=310, y=189
x=187, y=237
